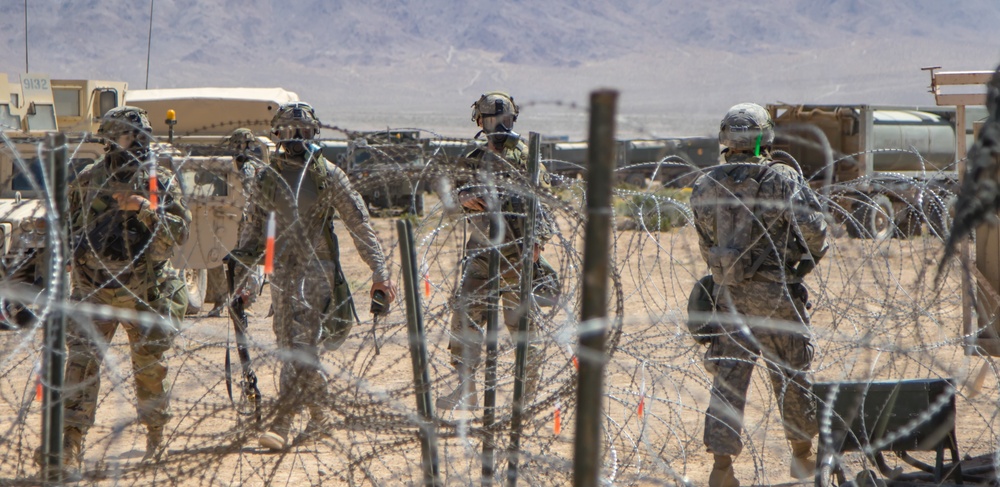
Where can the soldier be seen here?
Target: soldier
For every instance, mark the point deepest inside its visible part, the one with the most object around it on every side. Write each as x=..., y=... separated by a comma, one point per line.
x=246, y=151
x=761, y=231
x=504, y=156
x=122, y=258
x=309, y=292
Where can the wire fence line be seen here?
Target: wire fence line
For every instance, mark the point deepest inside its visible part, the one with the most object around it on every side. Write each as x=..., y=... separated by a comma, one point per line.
x=876, y=316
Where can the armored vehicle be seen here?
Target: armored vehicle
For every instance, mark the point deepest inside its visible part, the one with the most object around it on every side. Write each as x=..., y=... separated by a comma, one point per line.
x=30, y=110
x=891, y=169
x=675, y=162
x=386, y=168
x=208, y=174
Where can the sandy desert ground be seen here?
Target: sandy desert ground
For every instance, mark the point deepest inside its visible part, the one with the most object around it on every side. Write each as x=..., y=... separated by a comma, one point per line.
x=876, y=316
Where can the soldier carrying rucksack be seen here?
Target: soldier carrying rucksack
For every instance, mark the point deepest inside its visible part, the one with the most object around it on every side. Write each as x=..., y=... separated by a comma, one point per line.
x=761, y=231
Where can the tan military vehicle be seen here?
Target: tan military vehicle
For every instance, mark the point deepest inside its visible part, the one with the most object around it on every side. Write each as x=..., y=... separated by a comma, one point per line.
x=209, y=177
x=37, y=106
x=30, y=109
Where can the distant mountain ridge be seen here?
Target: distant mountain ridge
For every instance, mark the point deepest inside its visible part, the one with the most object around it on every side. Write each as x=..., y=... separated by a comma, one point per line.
x=392, y=56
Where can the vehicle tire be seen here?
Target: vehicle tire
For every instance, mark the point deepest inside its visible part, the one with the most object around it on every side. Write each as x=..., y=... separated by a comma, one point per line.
x=873, y=218
x=636, y=179
x=939, y=211
x=196, y=281
x=908, y=222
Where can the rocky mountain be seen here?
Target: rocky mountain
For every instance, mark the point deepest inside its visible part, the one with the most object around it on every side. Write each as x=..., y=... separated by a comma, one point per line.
x=420, y=63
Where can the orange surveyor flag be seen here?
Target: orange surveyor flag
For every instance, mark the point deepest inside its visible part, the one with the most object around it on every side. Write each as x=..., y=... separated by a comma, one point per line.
x=427, y=285
x=38, y=382
x=269, y=249
x=153, y=186
x=642, y=404
x=557, y=421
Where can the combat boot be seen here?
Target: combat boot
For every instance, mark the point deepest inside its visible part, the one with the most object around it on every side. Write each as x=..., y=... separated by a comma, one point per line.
x=319, y=423
x=72, y=455
x=803, y=460
x=154, y=438
x=460, y=399
x=722, y=473
x=276, y=439
x=216, y=311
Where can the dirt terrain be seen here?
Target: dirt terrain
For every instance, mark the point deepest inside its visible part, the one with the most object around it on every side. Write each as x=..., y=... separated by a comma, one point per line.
x=875, y=317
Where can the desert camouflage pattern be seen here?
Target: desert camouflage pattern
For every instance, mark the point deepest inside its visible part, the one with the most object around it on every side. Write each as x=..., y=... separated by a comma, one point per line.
x=487, y=105
x=775, y=331
x=304, y=197
x=124, y=119
x=149, y=283
x=765, y=315
x=468, y=324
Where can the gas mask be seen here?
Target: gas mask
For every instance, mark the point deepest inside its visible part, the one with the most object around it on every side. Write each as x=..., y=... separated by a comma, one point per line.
x=498, y=127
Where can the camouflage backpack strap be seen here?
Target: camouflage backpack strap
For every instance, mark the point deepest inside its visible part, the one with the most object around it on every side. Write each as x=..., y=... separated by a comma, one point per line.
x=739, y=187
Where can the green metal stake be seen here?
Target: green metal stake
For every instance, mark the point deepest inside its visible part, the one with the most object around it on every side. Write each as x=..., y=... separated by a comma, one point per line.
x=526, y=307
x=593, y=315
x=492, y=333
x=57, y=282
x=418, y=354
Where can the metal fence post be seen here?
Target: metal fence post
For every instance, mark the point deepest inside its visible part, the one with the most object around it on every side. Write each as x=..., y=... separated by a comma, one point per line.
x=57, y=283
x=418, y=354
x=492, y=335
x=527, y=304
x=594, y=306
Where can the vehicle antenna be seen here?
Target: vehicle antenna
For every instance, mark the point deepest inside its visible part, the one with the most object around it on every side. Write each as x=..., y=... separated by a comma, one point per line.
x=25, y=36
x=149, y=41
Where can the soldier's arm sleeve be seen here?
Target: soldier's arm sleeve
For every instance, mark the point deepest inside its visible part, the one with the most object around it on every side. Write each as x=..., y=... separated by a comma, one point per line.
x=702, y=214
x=808, y=218
x=252, y=241
x=354, y=214
x=169, y=221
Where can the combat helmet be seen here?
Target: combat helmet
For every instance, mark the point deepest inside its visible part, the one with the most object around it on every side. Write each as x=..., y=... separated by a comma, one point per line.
x=746, y=126
x=243, y=144
x=123, y=120
x=295, y=121
x=496, y=113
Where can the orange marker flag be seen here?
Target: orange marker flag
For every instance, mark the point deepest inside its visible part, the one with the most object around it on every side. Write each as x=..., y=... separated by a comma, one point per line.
x=269, y=249
x=427, y=285
x=38, y=381
x=576, y=363
x=642, y=391
x=153, y=187
x=557, y=421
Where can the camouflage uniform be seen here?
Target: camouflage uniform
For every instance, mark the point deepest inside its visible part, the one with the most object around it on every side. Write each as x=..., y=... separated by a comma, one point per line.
x=468, y=323
x=783, y=225
x=304, y=191
x=145, y=281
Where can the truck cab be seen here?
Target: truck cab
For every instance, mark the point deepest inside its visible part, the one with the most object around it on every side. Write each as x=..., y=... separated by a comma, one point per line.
x=32, y=108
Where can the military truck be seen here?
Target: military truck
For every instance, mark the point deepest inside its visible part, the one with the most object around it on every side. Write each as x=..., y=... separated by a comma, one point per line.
x=889, y=169
x=386, y=168
x=674, y=162
x=31, y=109
x=203, y=117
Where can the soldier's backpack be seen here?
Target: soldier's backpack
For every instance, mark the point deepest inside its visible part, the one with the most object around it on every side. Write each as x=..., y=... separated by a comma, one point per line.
x=736, y=187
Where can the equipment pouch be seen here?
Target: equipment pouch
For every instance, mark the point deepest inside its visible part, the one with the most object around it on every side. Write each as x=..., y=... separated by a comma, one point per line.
x=169, y=300
x=729, y=266
x=338, y=316
x=701, y=321
x=545, y=286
